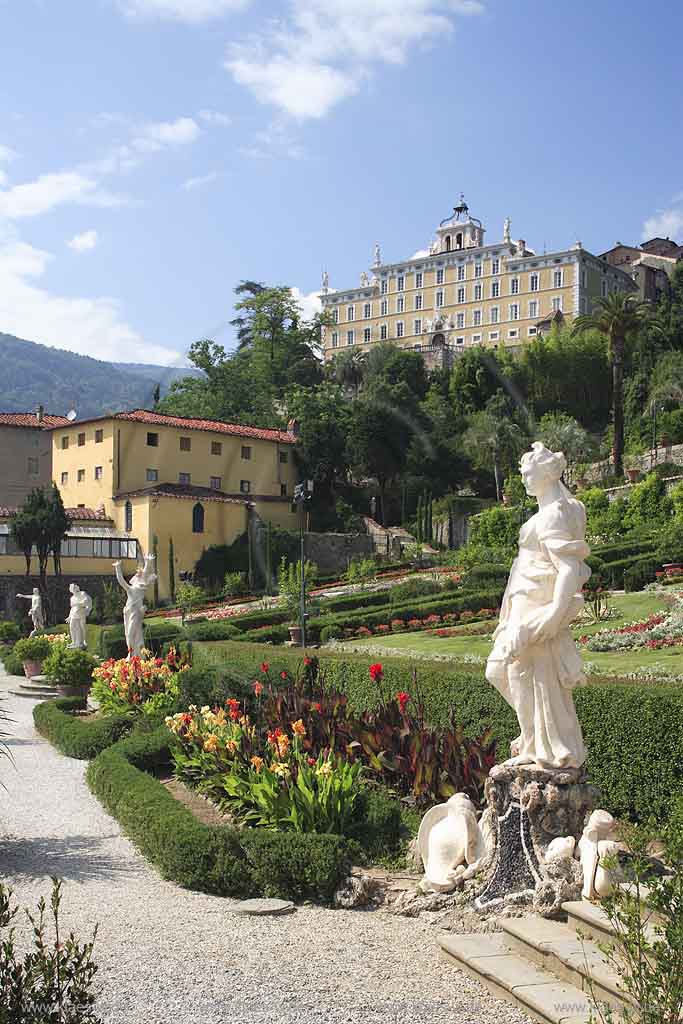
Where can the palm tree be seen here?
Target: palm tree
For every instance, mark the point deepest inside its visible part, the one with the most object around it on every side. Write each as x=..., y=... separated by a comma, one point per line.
x=348, y=367
x=615, y=316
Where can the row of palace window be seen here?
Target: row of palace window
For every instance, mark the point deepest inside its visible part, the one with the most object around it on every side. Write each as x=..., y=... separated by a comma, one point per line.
x=82, y=547
x=461, y=321
x=80, y=439
x=440, y=297
x=98, y=474
x=184, y=444
x=477, y=339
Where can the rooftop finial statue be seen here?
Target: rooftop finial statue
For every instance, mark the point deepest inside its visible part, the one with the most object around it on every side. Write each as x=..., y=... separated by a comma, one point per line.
x=134, y=609
x=378, y=255
x=535, y=663
x=507, y=224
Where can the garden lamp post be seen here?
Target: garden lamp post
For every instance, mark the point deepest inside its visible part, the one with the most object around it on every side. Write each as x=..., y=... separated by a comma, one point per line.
x=302, y=496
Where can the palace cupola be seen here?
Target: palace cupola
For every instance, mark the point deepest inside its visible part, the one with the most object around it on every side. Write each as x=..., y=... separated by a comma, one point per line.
x=459, y=231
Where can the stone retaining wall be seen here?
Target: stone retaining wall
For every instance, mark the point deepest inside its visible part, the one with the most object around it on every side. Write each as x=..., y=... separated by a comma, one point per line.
x=332, y=552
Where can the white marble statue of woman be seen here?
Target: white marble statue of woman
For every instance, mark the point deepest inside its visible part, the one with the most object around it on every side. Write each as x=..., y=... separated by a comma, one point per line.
x=36, y=613
x=80, y=607
x=535, y=663
x=134, y=609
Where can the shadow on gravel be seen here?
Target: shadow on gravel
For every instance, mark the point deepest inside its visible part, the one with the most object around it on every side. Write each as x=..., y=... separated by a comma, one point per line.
x=79, y=858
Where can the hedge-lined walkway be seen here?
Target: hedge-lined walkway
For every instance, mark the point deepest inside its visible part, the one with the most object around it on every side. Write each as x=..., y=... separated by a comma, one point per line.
x=169, y=956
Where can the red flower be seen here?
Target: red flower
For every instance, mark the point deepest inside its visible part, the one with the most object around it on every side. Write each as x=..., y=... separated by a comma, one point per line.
x=316, y=707
x=311, y=761
x=402, y=699
x=307, y=661
x=258, y=688
x=283, y=675
x=264, y=667
x=376, y=672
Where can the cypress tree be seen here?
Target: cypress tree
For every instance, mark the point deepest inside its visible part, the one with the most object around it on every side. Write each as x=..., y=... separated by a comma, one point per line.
x=171, y=568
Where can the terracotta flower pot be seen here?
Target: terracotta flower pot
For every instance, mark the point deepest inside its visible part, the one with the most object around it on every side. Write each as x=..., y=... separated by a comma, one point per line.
x=633, y=474
x=295, y=634
x=32, y=668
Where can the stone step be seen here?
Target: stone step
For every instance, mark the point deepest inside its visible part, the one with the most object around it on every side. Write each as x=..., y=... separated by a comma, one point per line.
x=34, y=694
x=512, y=977
x=559, y=949
x=593, y=923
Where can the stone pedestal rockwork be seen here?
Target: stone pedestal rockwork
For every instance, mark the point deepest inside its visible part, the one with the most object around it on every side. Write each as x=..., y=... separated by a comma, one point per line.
x=527, y=808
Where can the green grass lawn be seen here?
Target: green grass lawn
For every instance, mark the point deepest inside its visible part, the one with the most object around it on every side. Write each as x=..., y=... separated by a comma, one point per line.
x=630, y=607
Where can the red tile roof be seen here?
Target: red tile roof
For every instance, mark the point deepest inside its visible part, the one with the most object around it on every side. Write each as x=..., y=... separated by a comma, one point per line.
x=171, y=490
x=156, y=419
x=97, y=515
x=30, y=419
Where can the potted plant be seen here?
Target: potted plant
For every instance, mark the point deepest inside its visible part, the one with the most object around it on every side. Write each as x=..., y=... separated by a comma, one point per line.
x=633, y=468
x=32, y=651
x=70, y=670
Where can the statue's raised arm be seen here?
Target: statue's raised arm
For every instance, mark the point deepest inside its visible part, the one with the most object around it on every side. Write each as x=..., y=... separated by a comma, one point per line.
x=534, y=662
x=134, y=610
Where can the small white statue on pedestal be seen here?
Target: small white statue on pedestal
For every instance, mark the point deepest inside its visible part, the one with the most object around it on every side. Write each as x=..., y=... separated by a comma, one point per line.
x=450, y=843
x=535, y=663
x=36, y=613
x=134, y=610
x=599, y=840
x=79, y=610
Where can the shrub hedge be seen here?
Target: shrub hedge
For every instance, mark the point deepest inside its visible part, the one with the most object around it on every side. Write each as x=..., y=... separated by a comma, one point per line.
x=634, y=732
x=207, y=629
x=215, y=859
x=83, y=738
x=455, y=601
x=616, y=552
x=614, y=573
x=642, y=571
x=9, y=632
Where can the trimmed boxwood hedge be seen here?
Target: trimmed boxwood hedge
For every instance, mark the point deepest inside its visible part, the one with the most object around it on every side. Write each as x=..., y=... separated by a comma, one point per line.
x=628, y=549
x=215, y=859
x=83, y=738
x=454, y=601
x=208, y=629
x=633, y=731
x=614, y=573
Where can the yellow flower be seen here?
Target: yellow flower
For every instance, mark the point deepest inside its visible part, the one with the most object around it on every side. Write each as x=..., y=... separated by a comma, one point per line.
x=257, y=763
x=205, y=710
x=211, y=743
x=324, y=769
x=231, y=746
x=279, y=768
x=298, y=728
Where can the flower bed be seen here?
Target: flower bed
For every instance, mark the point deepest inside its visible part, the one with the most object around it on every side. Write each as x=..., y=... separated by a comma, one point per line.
x=135, y=684
x=655, y=632
x=430, y=622
x=302, y=748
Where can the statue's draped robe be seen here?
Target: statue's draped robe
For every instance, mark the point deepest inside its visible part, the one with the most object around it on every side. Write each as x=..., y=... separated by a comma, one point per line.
x=538, y=682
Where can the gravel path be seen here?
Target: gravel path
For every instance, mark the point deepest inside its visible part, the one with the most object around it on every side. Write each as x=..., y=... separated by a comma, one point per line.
x=169, y=956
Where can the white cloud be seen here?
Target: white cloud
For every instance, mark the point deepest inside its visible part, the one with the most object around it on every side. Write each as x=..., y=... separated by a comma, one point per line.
x=91, y=327
x=190, y=11
x=33, y=198
x=7, y=154
x=664, y=224
x=309, y=301
x=274, y=140
x=322, y=52
x=86, y=240
x=203, y=179
x=420, y=254
x=154, y=136
x=215, y=117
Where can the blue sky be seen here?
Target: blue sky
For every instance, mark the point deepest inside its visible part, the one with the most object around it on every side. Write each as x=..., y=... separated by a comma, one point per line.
x=155, y=152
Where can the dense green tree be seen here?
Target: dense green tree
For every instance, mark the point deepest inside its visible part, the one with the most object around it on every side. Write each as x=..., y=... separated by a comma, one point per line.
x=379, y=435
x=562, y=433
x=495, y=439
x=388, y=364
x=347, y=369
x=475, y=378
x=41, y=523
x=323, y=416
x=617, y=316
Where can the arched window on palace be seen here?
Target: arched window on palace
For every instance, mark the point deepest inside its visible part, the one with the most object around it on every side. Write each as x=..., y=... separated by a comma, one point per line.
x=448, y=243
x=129, y=517
x=458, y=240
x=198, y=518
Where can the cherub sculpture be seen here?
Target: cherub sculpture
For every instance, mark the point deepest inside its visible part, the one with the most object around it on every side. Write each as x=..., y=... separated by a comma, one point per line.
x=598, y=841
x=450, y=843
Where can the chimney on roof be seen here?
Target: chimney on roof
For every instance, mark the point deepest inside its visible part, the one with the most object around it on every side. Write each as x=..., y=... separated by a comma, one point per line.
x=293, y=427
x=40, y=413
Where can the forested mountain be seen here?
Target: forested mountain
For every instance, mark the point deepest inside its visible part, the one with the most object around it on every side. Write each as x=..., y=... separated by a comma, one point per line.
x=35, y=375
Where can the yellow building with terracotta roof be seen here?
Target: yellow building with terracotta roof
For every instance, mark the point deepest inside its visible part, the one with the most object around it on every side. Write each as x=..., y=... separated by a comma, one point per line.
x=163, y=478
x=463, y=292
